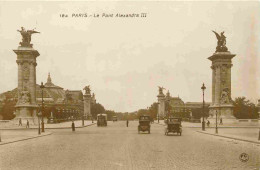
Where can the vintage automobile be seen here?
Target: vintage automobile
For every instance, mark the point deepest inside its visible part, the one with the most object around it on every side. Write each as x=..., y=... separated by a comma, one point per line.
x=102, y=119
x=114, y=118
x=173, y=125
x=144, y=123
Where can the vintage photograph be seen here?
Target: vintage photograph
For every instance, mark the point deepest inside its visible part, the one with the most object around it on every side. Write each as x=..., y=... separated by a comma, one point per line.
x=129, y=85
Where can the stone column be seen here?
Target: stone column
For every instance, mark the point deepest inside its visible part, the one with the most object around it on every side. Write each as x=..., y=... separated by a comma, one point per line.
x=213, y=84
x=87, y=105
x=32, y=81
x=26, y=106
x=221, y=85
x=217, y=85
x=161, y=107
x=20, y=77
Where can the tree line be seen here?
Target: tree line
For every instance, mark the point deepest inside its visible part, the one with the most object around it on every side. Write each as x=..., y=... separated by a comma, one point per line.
x=243, y=109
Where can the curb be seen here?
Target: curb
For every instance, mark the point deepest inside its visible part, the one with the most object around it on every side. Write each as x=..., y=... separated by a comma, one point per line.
x=225, y=127
x=4, y=143
x=218, y=126
x=49, y=128
x=235, y=138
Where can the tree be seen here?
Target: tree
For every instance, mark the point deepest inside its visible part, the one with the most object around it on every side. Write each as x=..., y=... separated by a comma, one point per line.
x=244, y=109
x=153, y=110
x=97, y=109
x=110, y=114
x=8, y=109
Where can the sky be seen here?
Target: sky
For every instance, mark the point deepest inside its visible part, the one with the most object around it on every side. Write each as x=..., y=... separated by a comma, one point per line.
x=124, y=60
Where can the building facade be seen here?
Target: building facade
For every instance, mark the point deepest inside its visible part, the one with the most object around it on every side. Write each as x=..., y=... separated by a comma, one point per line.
x=64, y=104
x=175, y=106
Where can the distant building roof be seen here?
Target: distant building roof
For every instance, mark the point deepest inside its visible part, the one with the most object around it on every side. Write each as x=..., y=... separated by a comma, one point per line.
x=51, y=93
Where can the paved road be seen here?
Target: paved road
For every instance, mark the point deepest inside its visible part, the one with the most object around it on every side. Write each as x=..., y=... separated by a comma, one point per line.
x=118, y=147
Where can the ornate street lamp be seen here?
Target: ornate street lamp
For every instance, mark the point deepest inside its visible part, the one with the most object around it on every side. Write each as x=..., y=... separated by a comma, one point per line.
x=42, y=87
x=203, y=121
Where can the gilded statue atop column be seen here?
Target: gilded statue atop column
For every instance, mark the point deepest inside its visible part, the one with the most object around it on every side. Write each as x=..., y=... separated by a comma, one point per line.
x=161, y=90
x=87, y=89
x=26, y=35
x=221, y=47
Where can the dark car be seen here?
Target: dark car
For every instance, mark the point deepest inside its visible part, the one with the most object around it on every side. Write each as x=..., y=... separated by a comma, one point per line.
x=173, y=125
x=114, y=118
x=102, y=120
x=144, y=123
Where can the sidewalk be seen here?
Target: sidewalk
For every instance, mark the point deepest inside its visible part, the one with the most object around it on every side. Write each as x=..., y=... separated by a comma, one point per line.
x=11, y=136
x=10, y=133
x=247, y=135
x=212, y=125
x=63, y=125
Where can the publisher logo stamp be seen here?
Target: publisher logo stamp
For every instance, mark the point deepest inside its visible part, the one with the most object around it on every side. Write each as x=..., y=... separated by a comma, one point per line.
x=244, y=157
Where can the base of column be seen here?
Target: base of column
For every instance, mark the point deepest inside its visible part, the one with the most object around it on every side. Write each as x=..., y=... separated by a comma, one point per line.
x=26, y=112
x=224, y=112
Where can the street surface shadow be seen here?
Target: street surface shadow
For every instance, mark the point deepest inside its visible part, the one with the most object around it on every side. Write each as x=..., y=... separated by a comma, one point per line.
x=173, y=134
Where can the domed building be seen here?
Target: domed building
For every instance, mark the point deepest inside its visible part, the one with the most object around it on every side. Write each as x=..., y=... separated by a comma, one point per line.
x=175, y=106
x=64, y=104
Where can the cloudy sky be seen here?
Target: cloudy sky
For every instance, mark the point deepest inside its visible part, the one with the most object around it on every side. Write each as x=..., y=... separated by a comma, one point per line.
x=125, y=59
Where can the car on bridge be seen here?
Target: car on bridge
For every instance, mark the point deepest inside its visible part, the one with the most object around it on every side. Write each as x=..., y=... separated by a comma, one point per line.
x=102, y=119
x=173, y=125
x=114, y=118
x=144, y=123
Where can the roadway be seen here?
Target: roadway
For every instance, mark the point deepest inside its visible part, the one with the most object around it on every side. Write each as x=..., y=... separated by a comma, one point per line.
x=119, y=147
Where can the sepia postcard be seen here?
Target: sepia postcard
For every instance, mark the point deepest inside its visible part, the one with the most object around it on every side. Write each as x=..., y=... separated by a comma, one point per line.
x=130, y=85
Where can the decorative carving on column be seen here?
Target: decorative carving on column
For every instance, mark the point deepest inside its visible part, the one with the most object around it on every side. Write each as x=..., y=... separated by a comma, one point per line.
x=25, y=97
x=225, y=96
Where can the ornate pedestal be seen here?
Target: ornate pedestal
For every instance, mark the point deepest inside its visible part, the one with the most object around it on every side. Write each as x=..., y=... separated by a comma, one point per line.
x=26, y=107
x=221, y=85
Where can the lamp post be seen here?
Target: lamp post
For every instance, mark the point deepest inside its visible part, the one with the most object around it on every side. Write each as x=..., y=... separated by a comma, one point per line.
x=42, y=87
x=39, y=123
x=82, y=119
x=216, y=122
x=203, y=121
x=158, y=111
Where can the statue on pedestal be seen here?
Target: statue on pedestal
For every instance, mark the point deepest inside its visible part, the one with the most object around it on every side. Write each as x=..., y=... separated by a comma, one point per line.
x=87, y=89
x=26, y=37
x=221, y=42
x=161, y=90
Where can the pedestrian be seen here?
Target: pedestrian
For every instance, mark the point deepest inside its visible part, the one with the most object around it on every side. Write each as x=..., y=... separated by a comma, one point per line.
x=127, y=123
x=20, y=122
x=208, y=123
x=73, y=126
x=27, y=124
x=221, y=122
